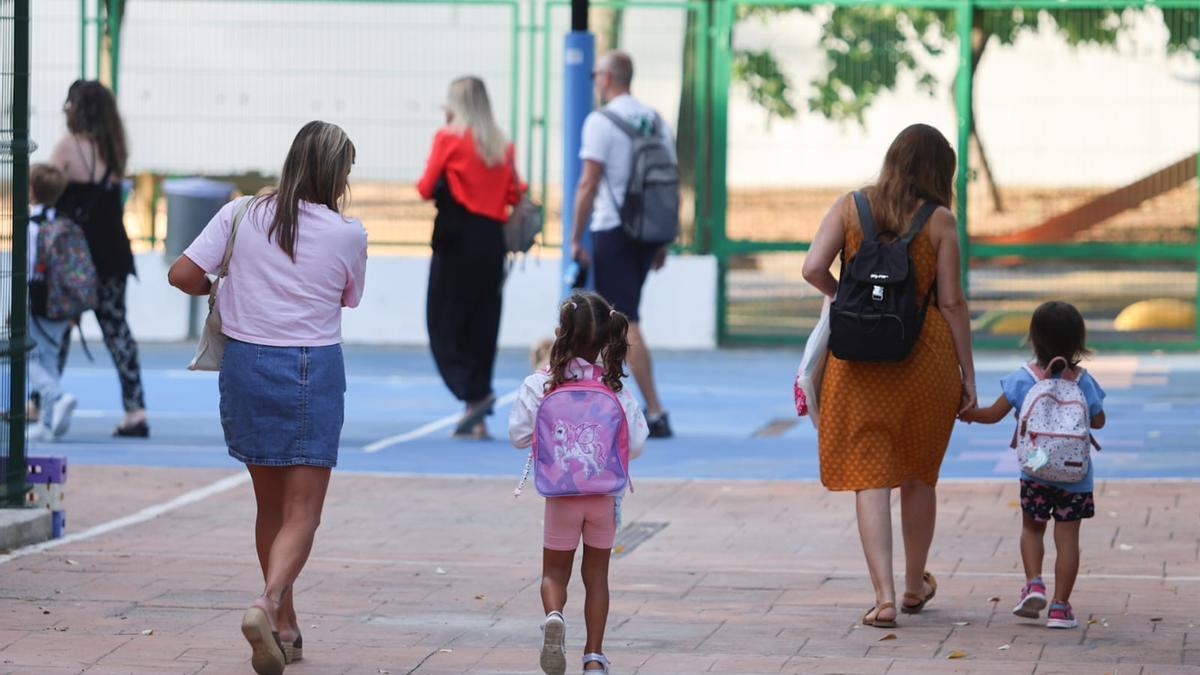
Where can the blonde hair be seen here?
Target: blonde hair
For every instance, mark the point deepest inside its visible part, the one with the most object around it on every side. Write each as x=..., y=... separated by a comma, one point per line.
x=471, y=109
x=317, y=170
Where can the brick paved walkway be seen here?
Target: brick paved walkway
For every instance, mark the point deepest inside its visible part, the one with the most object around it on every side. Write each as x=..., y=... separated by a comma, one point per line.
x=432, y=575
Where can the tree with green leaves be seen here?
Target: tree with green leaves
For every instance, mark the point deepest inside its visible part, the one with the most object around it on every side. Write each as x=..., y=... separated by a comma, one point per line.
x=868, y=49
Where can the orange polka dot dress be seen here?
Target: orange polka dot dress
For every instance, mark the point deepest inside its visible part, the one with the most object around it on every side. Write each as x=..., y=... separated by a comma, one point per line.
x=884, y=423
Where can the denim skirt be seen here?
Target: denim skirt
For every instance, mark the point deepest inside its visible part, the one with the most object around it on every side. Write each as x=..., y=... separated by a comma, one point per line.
x=282, y=406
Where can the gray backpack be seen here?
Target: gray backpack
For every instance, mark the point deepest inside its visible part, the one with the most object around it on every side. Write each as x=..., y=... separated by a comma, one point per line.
x=650, y=213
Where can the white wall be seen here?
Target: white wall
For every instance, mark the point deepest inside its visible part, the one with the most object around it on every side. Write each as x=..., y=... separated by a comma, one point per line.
x=678, y=309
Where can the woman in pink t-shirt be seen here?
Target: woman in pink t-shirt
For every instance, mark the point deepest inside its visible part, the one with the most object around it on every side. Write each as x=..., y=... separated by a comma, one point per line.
x=297, y=261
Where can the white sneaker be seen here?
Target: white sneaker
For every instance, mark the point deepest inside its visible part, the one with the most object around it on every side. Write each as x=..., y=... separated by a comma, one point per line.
x=554, y=644
x=60, y=415
x=38, y=432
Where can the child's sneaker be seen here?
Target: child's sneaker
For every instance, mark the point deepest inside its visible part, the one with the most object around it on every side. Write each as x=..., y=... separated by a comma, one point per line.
x=1061, y=616
x=1033, y=599
x=60, y=415
x=554, y=644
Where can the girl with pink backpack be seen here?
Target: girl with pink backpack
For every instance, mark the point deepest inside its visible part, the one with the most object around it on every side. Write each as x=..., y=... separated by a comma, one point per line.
x=583, y=427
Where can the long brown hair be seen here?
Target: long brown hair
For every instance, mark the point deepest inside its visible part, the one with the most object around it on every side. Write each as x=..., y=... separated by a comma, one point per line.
x=588, y=328
x=91, y=111
x=317, y=170
x=918, y=167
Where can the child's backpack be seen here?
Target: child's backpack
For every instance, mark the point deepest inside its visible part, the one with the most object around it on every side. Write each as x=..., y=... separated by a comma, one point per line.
x=1053, y=437
x=65, y=282
x=650, y=212
x=580, y=441
x=877, y=315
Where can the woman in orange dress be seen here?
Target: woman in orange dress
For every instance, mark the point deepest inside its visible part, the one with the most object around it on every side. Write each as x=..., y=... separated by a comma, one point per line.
x=887, y=425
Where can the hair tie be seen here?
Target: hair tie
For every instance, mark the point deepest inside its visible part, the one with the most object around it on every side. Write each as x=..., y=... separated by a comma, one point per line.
x=612, y=312
x=573, y=305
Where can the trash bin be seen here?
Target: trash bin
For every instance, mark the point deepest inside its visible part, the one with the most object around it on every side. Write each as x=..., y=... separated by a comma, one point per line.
x=191, y=203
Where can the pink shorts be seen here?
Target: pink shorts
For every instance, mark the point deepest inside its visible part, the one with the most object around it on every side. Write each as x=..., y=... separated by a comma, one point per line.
x=567, y=517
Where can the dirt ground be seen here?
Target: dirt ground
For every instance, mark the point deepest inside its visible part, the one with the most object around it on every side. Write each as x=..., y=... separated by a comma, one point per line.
x=394, y=213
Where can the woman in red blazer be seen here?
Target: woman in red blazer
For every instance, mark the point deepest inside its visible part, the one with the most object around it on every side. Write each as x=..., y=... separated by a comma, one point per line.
x=472, y=179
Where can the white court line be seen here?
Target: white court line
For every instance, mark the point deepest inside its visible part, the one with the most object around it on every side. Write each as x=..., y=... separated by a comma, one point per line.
x=426, y=429
x=148, y=513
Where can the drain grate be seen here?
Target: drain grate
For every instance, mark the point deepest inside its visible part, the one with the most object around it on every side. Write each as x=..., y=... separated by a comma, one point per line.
x=634, y=535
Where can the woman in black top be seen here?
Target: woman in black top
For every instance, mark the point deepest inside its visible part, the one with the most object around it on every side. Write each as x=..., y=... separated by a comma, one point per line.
x=93, y=155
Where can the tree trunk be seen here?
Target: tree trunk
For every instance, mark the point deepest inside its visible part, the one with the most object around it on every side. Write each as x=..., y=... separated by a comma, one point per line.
x=979, y=42
x=607, y=25
x=685, y=129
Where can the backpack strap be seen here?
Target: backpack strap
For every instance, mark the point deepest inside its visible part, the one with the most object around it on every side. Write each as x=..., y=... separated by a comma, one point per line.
x=865, y=220
x=919, y=219
x=622, y=124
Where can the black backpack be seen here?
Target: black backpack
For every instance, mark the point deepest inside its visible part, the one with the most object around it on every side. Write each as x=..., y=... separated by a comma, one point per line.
x=877, y=314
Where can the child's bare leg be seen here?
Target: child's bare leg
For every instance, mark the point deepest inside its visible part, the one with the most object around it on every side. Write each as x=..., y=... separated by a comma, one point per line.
x=1033, y=548
x=595, y=606
x=1066, y=564
x=556, y=572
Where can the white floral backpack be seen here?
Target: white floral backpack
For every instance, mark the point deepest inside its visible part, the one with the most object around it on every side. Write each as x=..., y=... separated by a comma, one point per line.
x=1053, y=438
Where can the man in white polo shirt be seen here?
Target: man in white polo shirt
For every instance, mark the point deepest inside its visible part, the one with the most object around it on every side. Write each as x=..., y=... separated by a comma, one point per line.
x=621, y=263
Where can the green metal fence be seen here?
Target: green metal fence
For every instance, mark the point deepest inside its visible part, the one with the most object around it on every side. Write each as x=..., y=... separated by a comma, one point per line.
x=1074, y=124
x=14, y=215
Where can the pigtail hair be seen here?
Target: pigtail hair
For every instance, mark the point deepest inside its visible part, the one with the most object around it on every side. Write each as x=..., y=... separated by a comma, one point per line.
x=562, y=351
x=615, y=349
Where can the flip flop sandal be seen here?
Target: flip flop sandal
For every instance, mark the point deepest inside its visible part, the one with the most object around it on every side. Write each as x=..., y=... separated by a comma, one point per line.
x=294, y=651
x=916, y=607
x=266, y=649
x=877, y=622
x=467, y=423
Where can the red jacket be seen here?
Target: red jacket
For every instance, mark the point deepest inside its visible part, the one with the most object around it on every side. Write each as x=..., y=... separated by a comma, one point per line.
x=483, y=190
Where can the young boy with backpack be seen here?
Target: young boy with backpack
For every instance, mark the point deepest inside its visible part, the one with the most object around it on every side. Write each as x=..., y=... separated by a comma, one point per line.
x=1059, y=404
x=62, y=286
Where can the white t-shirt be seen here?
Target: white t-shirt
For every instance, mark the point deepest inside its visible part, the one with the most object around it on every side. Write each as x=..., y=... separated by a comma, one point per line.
x=605, y=143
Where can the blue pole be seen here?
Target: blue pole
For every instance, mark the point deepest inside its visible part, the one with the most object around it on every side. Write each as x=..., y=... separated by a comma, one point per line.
x=578, y=60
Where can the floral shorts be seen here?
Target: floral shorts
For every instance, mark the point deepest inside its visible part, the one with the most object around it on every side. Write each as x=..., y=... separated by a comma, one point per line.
x=1043, y=502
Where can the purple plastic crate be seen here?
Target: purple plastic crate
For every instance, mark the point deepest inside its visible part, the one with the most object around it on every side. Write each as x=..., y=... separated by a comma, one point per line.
x=47, y=469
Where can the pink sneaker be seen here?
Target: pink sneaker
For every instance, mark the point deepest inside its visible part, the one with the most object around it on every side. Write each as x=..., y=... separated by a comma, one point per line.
x=1061, y=616
x=1033, y=599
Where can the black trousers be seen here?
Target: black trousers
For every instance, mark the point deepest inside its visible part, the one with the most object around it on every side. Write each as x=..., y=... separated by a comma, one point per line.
x=110, y=314
x=462, y=312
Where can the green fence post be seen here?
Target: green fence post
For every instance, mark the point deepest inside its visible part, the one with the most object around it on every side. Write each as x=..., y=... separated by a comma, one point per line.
x=722, y=70
x=963, y=24
x=115, y=8
x=15, y=467
x=98, y=26
x=83, y=22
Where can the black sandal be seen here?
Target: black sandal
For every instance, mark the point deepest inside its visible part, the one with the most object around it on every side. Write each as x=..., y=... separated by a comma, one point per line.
x=139, y=430
x=472, y=418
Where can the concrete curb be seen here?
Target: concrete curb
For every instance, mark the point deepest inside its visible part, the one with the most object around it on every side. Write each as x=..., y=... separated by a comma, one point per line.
x=22, y=527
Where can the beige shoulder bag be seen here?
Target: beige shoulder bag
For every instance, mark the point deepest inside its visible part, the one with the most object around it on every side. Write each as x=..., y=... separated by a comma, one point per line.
x=211, y=347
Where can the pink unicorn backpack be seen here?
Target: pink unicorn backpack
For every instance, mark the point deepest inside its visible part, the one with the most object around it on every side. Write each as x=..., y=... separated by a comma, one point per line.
x=580, y=441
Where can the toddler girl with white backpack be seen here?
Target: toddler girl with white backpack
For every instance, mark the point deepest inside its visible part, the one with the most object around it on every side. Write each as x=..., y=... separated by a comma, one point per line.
x=1058, y=405
x=583, y=426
